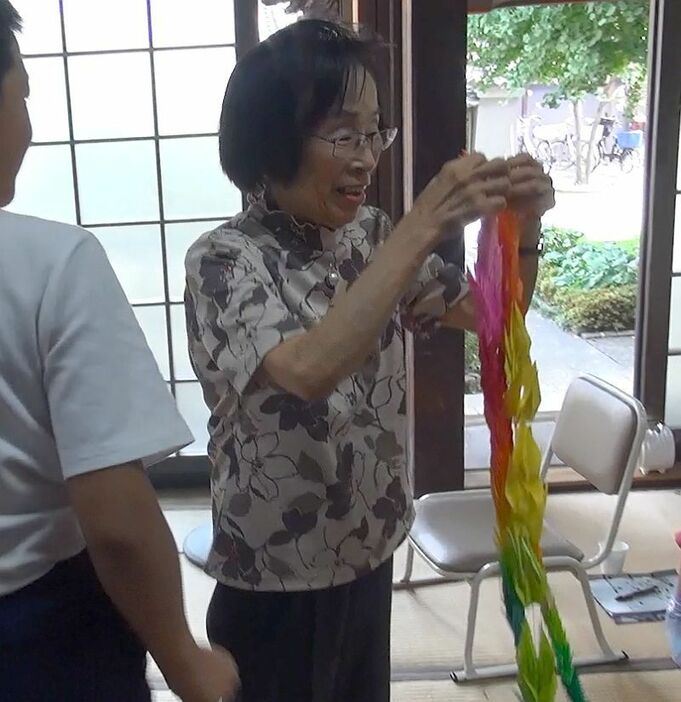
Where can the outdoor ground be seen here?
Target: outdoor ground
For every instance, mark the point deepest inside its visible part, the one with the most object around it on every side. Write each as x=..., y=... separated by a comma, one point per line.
x=610, y=208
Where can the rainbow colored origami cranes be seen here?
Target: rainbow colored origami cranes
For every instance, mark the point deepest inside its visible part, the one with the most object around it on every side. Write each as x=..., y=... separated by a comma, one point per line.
x=511, y=391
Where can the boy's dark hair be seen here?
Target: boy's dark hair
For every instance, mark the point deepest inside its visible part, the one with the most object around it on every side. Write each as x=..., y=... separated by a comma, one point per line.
x=280, y=92
x=10, y=22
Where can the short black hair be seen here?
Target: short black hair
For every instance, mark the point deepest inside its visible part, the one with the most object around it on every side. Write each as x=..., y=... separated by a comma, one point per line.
x=280, y=92
x=10, y=22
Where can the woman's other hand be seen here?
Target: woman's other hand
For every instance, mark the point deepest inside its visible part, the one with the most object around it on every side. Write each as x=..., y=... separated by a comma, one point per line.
x=531, y=193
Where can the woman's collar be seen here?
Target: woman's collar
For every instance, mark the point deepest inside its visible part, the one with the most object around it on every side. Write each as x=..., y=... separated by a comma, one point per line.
x=283, y=224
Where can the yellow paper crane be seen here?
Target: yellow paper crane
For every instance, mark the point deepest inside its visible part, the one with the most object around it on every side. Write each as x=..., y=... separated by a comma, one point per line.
x=511, y=390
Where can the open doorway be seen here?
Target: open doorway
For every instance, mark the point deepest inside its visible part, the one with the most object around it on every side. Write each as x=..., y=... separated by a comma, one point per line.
x=568, y=84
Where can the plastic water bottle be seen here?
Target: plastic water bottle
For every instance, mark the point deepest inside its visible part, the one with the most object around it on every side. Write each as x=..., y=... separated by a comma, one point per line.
x=673, y=626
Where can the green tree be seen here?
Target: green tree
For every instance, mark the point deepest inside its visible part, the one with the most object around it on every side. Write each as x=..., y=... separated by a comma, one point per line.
x=578, y=49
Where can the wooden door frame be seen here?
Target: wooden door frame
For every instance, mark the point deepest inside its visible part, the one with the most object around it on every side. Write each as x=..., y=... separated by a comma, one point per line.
x=433, y=48
x=384, y=19
x=438, y=74
x=660, y=203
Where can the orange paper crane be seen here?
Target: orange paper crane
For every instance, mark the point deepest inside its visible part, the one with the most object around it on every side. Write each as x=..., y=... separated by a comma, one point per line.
x=511, y=391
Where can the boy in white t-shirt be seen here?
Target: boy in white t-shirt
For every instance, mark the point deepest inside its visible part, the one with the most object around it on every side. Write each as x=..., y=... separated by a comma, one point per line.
x=89, y=573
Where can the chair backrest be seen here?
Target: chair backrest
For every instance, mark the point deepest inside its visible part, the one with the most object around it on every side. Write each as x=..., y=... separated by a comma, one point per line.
x=599, y=433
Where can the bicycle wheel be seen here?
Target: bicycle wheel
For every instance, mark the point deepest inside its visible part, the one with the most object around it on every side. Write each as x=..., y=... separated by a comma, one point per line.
x=599, y=155
x=627, y=161
x=560, y=155
x=596, y=155
x=545, y=155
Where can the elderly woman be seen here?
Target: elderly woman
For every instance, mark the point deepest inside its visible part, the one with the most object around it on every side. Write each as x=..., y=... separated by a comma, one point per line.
x=296, y=311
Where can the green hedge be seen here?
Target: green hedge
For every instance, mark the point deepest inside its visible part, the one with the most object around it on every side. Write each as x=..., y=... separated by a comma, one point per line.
x=587, y=286
x=608, y=309
x=472, y=364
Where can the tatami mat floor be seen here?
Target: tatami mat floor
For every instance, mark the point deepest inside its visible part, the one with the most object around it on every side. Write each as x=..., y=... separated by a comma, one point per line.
x=429, y=623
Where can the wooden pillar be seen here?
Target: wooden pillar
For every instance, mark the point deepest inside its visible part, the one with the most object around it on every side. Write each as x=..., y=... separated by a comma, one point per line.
x=660, y=211
x=384, y=18
x=438, y=46
x=246, y=26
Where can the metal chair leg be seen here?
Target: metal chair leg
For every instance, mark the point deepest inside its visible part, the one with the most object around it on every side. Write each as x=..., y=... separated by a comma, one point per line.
x=470, y=672
x=583, y=579
x=468, y=665
x=409, y=568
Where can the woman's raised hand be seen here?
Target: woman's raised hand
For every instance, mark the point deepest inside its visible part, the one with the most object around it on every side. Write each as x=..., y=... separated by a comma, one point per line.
x=464, y=190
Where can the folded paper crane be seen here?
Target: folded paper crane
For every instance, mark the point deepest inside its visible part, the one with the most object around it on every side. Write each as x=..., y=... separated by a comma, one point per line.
x=511, y=391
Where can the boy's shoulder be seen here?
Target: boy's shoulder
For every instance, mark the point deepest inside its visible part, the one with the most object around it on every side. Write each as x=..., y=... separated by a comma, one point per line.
x=33, y=231
x=40, y=244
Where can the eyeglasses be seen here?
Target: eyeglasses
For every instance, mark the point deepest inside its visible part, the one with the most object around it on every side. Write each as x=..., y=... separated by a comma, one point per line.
x=350, y=144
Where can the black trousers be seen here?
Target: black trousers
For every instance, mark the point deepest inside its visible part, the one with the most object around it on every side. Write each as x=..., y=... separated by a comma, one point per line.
x=62, y=639
x=328, y=645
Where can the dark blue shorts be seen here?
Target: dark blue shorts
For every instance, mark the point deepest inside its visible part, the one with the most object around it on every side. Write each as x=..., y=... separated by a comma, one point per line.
x=62, y=639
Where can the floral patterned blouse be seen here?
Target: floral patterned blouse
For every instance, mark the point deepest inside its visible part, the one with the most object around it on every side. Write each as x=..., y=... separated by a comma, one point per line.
x=306, y=495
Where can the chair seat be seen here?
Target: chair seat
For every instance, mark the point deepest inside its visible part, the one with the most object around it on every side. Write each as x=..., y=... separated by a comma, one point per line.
x=455, y=531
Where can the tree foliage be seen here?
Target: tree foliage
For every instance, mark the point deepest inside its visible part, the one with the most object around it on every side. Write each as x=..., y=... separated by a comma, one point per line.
x=576, y=48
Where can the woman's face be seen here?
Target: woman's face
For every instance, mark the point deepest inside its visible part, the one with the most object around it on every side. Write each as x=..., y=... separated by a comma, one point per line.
x=329, y=189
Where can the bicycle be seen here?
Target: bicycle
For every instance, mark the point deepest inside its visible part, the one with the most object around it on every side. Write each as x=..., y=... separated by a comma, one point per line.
x=624, y=146
x=529, y=143
x=564, y=150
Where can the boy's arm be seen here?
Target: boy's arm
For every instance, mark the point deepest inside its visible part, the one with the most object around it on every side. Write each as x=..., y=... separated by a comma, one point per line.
x=111, y=415
x=136, y=561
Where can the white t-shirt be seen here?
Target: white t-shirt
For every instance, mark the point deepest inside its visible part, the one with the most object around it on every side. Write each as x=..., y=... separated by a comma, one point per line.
x=79, y=389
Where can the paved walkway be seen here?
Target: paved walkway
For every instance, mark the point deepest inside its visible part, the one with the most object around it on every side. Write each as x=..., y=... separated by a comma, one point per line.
x=561, y=356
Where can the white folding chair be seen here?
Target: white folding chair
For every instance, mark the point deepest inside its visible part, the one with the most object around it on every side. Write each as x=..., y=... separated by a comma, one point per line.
x=598, y=433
